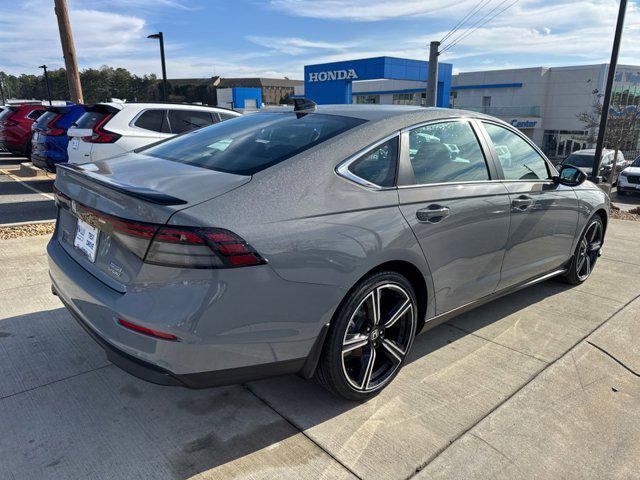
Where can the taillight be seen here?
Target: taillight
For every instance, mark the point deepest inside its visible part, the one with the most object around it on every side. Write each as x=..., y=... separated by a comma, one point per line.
x=51, y=130
x=147, y=331
x=187, y=247
x=182, y=247
x=100, y=134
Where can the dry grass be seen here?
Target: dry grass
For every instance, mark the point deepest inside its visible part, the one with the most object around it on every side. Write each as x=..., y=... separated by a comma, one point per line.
x=29, y=230
x=622, y=215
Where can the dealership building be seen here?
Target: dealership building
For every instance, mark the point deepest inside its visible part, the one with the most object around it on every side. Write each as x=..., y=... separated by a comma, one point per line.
x=543, y=102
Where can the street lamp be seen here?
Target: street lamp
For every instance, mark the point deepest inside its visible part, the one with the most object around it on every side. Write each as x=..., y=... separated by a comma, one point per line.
x=46, y=80
x=160, y=37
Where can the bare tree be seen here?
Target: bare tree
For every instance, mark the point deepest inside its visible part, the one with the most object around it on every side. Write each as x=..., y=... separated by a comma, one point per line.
x=623, y=124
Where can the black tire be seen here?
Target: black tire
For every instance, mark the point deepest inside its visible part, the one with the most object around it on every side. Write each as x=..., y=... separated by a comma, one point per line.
x=587, y=252
x=390, y=339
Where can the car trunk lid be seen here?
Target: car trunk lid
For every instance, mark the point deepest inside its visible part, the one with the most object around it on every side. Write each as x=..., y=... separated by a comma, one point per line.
x=112, y=195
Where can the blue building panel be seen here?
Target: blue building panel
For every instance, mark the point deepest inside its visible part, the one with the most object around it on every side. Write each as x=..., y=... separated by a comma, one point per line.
x=240, y=95
x=329, y=83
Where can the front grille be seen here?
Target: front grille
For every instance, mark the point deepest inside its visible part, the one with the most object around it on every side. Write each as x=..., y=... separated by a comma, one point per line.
x=635, y=179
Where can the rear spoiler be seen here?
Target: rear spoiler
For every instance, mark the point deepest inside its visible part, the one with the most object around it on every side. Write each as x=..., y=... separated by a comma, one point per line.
x=101, y=108
x=146, y=194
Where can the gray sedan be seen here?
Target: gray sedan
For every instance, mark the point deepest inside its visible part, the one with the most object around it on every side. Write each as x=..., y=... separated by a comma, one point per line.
x=318, y=241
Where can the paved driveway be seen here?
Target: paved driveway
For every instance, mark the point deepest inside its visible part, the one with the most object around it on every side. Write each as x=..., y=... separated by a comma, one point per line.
x=540, y=384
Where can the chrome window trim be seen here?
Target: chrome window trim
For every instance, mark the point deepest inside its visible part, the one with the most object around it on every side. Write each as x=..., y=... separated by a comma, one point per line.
x=452, y=184
x=342, y=169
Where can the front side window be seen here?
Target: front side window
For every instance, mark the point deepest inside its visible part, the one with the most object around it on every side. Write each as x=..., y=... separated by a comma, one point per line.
x=253, y=142
x=151, y=120
x=184, y=120
x=378, y=166
x=519, y=160
x=446, y=152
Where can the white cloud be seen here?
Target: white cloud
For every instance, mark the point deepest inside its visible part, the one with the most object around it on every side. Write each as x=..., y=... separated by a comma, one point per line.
x=370, y=10
x=296, y=46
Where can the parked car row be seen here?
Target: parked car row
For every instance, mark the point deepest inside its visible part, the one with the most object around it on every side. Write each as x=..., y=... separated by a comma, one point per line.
x=53, y=135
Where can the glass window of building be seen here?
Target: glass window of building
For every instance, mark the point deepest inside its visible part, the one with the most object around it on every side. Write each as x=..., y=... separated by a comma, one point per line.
x=368, y=99
x=403, y=99
x=519, y=160
x=446, y=152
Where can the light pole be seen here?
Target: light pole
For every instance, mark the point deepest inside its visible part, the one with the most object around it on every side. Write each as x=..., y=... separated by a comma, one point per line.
x=46, y=81
x=606, y=101
x=160, y=37
x=432, y=75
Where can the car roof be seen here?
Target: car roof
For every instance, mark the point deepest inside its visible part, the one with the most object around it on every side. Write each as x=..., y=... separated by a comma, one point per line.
x=381, y=112
x=181, y=106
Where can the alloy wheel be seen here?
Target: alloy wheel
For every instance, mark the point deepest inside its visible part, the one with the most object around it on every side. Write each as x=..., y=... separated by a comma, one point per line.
x=588, y=250
x=378, y=337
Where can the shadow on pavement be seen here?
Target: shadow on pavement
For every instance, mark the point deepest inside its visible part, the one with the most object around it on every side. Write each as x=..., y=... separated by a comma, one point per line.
x=129, y=424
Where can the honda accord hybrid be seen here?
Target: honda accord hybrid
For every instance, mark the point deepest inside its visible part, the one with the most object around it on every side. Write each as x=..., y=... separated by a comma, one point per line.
x=317, y=241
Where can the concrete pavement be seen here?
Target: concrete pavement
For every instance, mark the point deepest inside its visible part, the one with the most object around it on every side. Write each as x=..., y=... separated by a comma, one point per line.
x=540, y=384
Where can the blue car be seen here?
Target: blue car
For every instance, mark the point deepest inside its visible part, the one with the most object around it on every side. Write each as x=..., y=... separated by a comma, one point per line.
x=49, y=136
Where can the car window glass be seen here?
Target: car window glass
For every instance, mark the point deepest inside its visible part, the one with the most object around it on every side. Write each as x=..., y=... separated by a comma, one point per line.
x=90, y=119
x=226, y=116
x=35, y=114
x=446, y=152
x=182, y=121
x=44, y=119
x=378, y=166
x=151, y=120
x=519, y=160
x=251, y=143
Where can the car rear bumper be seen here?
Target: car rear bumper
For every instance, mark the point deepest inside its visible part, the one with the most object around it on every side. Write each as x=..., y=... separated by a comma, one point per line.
x=191, y=362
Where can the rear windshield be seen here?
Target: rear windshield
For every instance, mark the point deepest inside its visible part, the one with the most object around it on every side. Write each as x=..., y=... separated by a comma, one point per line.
x=45, y=118
x=90, y=119
x=250, y=143
x=5, y=113
x=579, y=160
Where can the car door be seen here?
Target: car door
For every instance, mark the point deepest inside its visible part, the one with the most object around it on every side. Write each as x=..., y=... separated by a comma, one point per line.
x=544, y=214
x=457, y=208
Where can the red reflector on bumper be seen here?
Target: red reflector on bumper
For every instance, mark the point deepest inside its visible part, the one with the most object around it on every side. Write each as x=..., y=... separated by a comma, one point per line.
x=147, y=331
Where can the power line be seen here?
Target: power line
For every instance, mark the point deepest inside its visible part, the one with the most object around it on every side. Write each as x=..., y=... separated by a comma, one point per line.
x=479, y=24
x=463, y=20
x=478, y=21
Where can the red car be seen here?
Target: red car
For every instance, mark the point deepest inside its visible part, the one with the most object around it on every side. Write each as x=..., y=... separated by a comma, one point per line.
x=15, y=127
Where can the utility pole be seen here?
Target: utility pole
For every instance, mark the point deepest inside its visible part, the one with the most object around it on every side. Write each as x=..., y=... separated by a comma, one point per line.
x=69, y=51
x=606, y=101
x=432, y=76
x=160, y=37
x=46, y=81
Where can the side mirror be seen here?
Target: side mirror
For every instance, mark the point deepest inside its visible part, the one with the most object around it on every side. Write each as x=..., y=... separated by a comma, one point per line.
x=570, y=176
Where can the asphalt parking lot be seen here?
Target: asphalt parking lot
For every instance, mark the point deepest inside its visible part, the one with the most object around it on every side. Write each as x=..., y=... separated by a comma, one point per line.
x=543, y=383
x=23, y=199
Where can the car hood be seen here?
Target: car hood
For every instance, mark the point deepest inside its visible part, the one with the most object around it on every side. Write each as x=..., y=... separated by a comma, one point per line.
x=632, y=170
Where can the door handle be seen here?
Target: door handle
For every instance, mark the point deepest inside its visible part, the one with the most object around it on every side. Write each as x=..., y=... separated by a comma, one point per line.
x=523, y=202
x=432, y=214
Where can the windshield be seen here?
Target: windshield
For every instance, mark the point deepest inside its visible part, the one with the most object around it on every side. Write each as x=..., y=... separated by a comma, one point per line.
x=44, y=119
x=248, y=144
x=579, y=160
x=90, y=119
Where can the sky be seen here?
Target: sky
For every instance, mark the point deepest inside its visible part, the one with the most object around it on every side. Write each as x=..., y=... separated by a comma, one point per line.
x=276, y=38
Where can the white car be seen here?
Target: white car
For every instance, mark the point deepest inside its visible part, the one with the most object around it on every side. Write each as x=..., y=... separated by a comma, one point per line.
x=629, y=179
x=109, y=129
x=583, y=159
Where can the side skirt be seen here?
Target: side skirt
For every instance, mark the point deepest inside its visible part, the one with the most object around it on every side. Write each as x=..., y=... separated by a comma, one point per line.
x=443, y=317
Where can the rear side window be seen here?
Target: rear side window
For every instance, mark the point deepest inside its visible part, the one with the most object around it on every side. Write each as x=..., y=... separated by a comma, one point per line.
x=181, y=121
x=226, y=116
x=446, y=152
x=151, y=120
x=378, y=166
x=90, y=119
x=253, y=142
x=519, y=160
x=35, y=114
